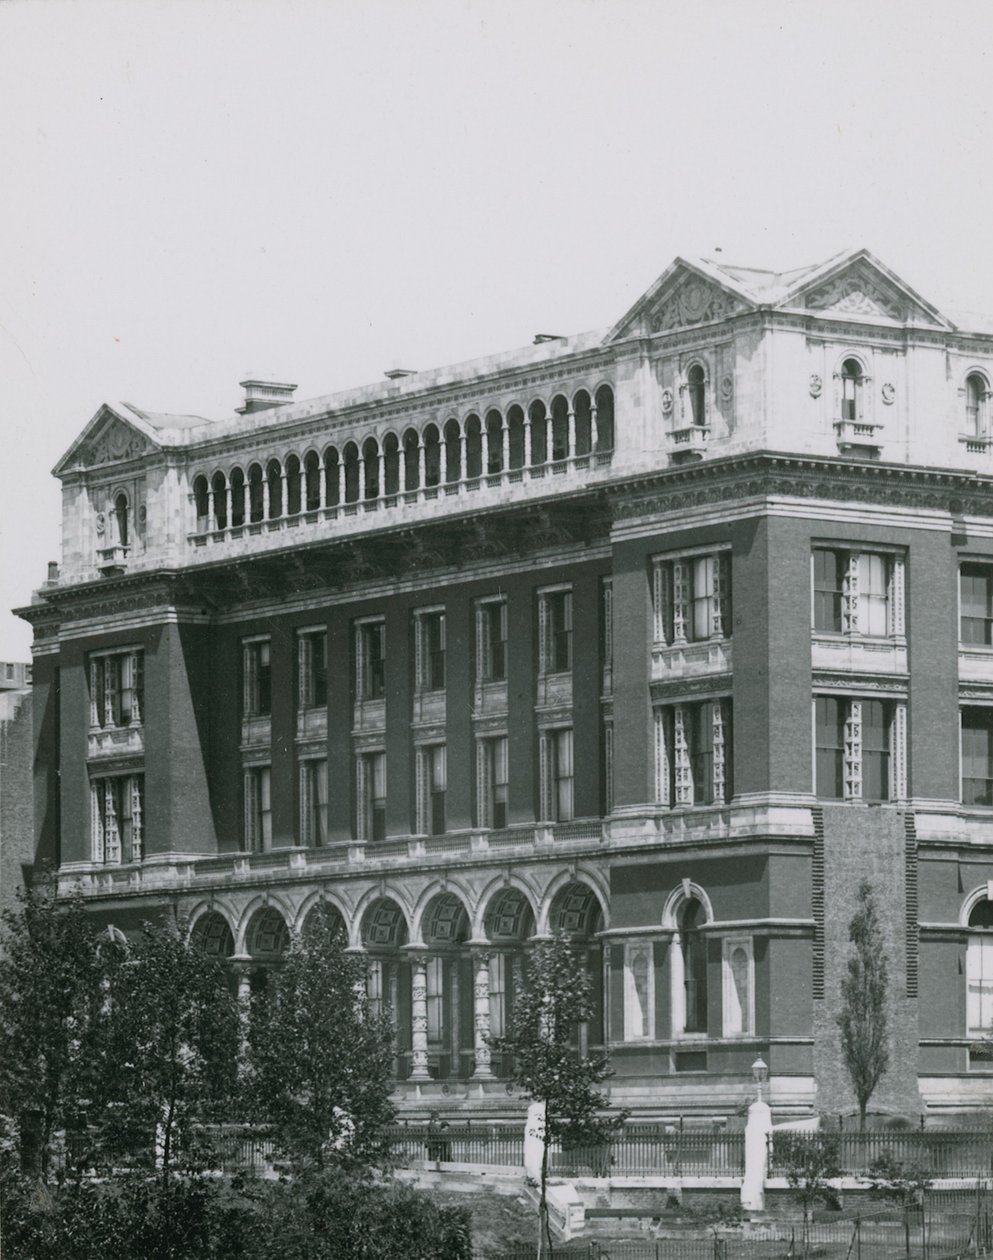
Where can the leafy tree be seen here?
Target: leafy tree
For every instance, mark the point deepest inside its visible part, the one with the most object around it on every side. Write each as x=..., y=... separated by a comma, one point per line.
x=863, y=1022
x=49, y=986
x=164, y=1057
x=557, y=996
x=810, y=1162
x=906, y=1184
x=320, y=1058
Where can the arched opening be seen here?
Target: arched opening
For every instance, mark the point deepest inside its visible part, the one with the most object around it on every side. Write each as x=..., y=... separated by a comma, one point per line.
x=689, y=969
x=509, y=924
x=255, y=498
x=605, y=418
x=121, y=520
x=324, y=919
x=696, y=387
x=432, y=456
x=494, y=443
x=213, y=937
x=576, y=911
x=274, y=480
x=539, y=429
x=560, y=428
x=453, y=454
x=851, y=390
x=332, y=481
x=293, y=486
x=473, y=447
x=351, y=456
x=583, y=410
x=201, y=501
x=979, y=970
x=237, y=498
x=219, y=487
x=515, y=434
x=391, y=462
x=448, y=970
x=312, y=481
x=410, y=469
x=267, y=940
x=384, y=935
x=975, y=397
x=370, y=456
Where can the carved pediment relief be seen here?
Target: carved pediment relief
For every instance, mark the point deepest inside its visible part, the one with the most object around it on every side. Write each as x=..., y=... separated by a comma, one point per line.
x=858, y=291
x=112, y=444
x=692, y=301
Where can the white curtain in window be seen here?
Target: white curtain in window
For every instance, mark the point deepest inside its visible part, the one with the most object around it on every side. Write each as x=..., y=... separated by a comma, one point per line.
x=979, y=984
x=873, y=587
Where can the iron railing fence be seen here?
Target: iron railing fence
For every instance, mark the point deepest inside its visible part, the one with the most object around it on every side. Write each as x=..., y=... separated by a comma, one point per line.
x=644, y=1150
x=501, y=1145
x=935, y=1153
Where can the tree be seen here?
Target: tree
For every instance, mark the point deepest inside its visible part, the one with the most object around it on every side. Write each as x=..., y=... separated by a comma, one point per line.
x=320, y=1057
x=810, y=1161
x=557, y=996
x=863, y=1022
x=165, y=1054
x=49, y=986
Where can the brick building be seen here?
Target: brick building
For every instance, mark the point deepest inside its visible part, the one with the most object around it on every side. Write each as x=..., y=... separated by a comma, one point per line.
x=16, y=752
x=664, y=635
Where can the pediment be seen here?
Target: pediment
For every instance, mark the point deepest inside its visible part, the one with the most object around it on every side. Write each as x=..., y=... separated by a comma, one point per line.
x=683, y=297
x=109, y=438
x=861, y=289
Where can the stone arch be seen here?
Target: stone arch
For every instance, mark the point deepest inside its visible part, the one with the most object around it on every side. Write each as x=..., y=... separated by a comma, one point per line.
x=560, y=428
x=248, y=913
x=604, y=398
x=350, y=457
x=381, y=920
x=391, y=463
x=685, y=891
x=211, y=932
x=294, y=484
x=451, y=905
x=496, y=886
x=580, y=875
x=219, y=487
x=255, y=499
x=411, y=471
x=237, y=483
x=473, y=431
x=323, y=910
x=370, y=457
x=331, y=460
x=274, y=480
x=452, y=432
x=432, y=456
x=494, y=442
x=311, y=480
x=515, y=435
x=582, y=407
x=201, y=502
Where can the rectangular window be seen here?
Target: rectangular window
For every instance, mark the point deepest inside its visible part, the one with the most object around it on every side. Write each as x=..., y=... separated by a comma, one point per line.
x=314, y=802
x=117, y=689
x=429, y=651
x=830, y=746
x=258, y=809
x=639, y=991
x=312, y=669
x=370, y=660
x=491, y=641
x=498, y=993
x=492, y=782
x=257, y=678
x=857, y=592
x=977, y=756
x=859, y=748
x=431, y=788
x=693, y=761
x=435, y=976
x=976, y=604
x=371, y=795
x=555, y=615
x=560, y=748
x=875, y=751
x=691, y=598
x=118, y=805
x=739, y=986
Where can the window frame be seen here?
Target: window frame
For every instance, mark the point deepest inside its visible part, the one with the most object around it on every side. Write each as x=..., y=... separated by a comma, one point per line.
x=312, y=668
x=256, y=689
x=369, y=667
x=675, y=601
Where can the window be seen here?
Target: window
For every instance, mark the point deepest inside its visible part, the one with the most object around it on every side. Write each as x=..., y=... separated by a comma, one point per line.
x=257, y=678
x=431, y=787
x=555, y=628
x=976, y=604
x=692, y=946
x=979, y=970
x=491, y=641
x=498, y=993
x=557, y=775
x=435, y=982
x=314, y=802
x=851, y=390
x=258, y=809
x=429, y=650
x=976, y=396
x=696, y=388
x=739, y=986
x=491, y=782
x=855, y=741
x=639, y=991
x=116, y=689
x=691, y=598
x=857, y=592
x=118, y=819
x=312, y=669
x=371, y=795
x=370, y=660
x=693, y=754
x=121, y=520
x=977, y=756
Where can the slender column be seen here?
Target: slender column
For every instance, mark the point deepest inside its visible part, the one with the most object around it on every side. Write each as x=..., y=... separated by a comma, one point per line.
x=382, y=473
x=211, y=510
x=485, y=433
x=571, y=431
x=594, y=431
x=481, y=1018
x=242, y=970
x=265, y=496
x=681, y=743
x=421, y=478
x=361, y=463
x=462, y=459
x=341, y=483
x=227, y=505
x=419, y=1019
x=680, y=600
x=284, y=500
x=322, y=487
x=527, y=440
x=505, y=447
x=549, y=445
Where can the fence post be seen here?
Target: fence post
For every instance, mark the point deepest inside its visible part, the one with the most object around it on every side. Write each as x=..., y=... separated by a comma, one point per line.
x=757, y=1131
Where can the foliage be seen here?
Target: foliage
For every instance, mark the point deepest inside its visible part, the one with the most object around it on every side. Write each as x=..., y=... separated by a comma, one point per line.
x=49, y=986
x=863, y=1022
x=320, y=1058
x=810, y=1161
x=164, y=1052
x=542, y=1040
x=891, y=1179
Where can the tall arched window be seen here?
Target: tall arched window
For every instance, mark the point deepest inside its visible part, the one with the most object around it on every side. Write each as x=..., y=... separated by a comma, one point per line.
x=121, y=519
x=851, y=389
x=691, y=919
x=696, y=386
x=219, y=486
x=979, y=970
x=201, y=500
x=975, y=398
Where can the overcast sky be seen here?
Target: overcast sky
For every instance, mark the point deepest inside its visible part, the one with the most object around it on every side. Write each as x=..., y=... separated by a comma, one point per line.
x=319, y=191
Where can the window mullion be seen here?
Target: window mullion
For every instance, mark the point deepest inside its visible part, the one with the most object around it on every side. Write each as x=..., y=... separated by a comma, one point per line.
x=684, y=770
x=853, y=750
x=662, y=770
x=850, y=597
x=680, y=600
x=718, y=751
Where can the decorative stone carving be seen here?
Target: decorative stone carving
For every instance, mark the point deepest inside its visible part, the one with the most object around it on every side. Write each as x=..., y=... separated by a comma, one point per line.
x=115, y=443
x=727, y=387
x=816, y=385
x=693, y=302
x=667, y=402
x=101, y=523
x=888, y=393
x=856, y=293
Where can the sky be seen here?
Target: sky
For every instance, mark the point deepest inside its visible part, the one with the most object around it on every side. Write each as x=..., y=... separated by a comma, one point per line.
x=196, y=190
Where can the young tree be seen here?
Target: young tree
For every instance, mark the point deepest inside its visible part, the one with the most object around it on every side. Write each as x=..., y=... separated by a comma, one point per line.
x=557, y=996
x=811, y=1161
x=320, y=1058
x=166, y=1052
x=863, y=1022
x=49, y=983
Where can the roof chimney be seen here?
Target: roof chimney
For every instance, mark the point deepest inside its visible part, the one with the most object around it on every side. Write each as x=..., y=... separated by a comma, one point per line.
x=397, y=373
x=261, y=395
x=541, y=338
